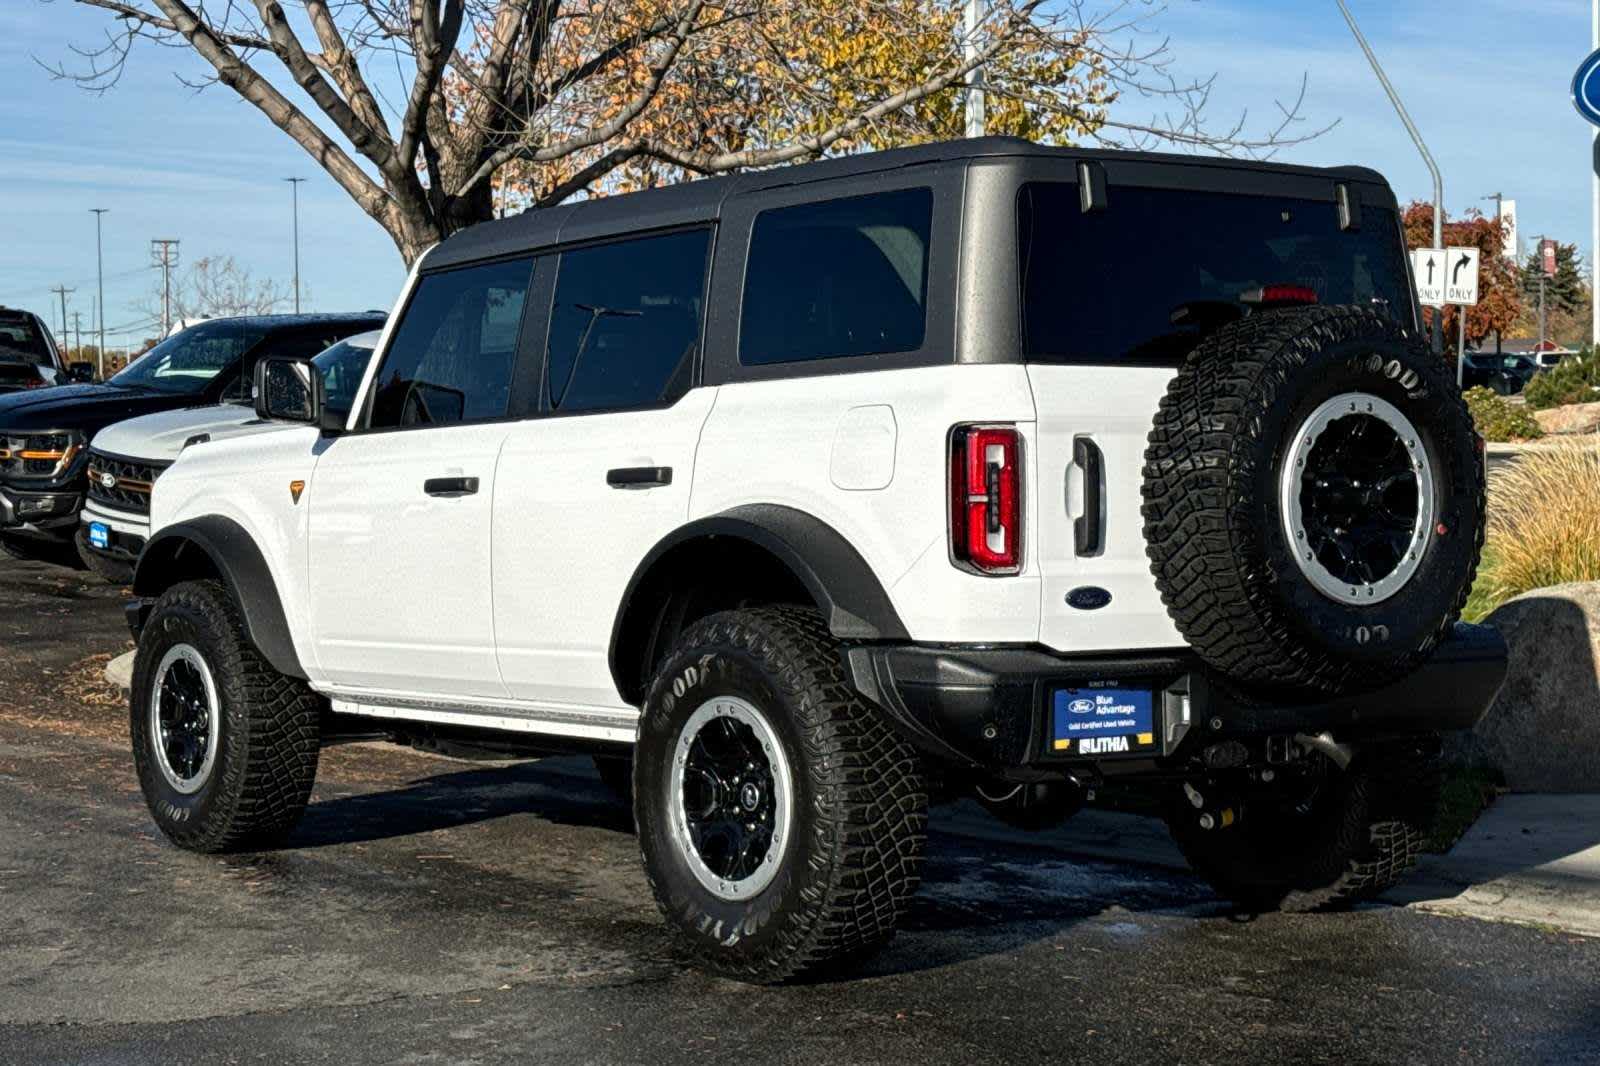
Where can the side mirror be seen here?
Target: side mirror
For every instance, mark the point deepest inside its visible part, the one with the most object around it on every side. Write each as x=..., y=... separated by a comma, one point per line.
x=289, y=390
x=80, y=371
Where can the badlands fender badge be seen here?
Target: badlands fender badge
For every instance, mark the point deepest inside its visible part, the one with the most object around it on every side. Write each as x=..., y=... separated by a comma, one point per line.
x=295, y=489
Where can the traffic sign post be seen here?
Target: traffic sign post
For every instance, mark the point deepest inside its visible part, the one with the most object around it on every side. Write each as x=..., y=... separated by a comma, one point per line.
x=1428, y=264
x=1461, y=291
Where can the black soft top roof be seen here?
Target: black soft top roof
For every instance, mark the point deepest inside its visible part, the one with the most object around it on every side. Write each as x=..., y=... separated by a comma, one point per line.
x=701, y=200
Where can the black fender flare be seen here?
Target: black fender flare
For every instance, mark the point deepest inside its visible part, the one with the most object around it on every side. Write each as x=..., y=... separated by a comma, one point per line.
x=234, y=554
x=853, y=601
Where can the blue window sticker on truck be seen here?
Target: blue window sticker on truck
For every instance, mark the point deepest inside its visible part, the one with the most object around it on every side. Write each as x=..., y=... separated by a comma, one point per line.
x=99, y=535
x=1103, y=721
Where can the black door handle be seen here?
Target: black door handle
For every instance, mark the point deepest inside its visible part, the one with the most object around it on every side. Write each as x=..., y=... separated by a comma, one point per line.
x=639, y=477
x=1087, y=530
x=450, y=486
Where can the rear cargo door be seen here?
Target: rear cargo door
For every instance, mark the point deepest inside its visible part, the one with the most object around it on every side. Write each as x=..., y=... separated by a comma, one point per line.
x=1118, y=285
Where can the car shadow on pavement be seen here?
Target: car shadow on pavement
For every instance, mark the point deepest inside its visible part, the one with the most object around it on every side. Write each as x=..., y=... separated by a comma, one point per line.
x=560, y=790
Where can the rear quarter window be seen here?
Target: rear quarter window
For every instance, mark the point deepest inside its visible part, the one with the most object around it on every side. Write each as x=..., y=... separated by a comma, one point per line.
x=1142, y=281
x=846, y=277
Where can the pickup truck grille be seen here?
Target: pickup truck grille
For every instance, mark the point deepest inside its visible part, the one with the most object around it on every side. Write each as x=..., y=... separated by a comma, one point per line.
x=130, y=481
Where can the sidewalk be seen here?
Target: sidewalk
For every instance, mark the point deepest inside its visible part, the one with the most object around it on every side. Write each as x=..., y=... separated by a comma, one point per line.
x=1533, y=859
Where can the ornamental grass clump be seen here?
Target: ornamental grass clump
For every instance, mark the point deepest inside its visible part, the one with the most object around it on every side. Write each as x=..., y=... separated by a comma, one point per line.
x=1544, y=524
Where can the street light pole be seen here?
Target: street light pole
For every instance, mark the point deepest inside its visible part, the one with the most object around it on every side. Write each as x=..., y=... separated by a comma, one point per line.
x=100, y=279
x=294, y=185
x=976, y=122
x=1427, y=157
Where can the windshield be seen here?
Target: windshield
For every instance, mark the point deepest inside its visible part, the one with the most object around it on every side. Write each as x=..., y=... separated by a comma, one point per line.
x=342, y=367
x=186, y=362
x=22, y=340
x=1145, y=279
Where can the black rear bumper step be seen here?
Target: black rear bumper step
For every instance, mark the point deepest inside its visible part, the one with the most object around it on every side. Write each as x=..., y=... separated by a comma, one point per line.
x=986, y=707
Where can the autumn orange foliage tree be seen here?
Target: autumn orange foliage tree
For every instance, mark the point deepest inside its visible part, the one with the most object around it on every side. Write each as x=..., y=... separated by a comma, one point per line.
x=1499, y=280
x=551, y=99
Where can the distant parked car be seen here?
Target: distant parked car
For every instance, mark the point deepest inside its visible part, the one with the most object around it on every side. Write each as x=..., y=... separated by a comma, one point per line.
x=44, y=434
x=29, y=358
x=126, y=458
x=1504, y=374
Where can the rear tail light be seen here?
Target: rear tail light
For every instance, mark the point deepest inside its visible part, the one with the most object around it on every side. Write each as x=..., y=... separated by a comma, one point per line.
x=1270, y=295
x=986, y=498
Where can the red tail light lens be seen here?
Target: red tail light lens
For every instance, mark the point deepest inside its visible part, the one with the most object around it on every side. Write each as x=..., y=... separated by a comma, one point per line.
x=986, y=498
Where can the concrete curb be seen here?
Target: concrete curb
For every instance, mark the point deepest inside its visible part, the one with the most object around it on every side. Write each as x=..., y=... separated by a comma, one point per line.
x=119, y=671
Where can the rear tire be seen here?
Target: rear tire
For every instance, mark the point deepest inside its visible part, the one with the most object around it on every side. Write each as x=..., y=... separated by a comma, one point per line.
x=240, y=781
x=113, y=570
x=1358, y=838
x=781, y=817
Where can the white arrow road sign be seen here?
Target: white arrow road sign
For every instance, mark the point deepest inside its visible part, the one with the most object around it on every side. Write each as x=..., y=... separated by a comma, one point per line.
x=1461, y=276
x=1429, y=266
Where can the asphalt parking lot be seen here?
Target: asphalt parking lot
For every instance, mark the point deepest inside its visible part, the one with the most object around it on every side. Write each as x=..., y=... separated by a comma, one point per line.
x=430, y=911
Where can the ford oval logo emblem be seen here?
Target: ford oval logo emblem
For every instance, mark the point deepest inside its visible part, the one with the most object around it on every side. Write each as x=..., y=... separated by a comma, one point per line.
x=108, y=481
x=1088, y=598
x=1081, y=706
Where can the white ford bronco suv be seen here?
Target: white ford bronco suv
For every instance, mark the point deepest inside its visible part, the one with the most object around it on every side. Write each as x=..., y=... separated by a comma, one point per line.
x=800, y=497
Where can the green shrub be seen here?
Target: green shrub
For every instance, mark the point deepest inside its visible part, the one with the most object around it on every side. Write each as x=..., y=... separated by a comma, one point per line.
x=1573, y=380
x=1498, y=419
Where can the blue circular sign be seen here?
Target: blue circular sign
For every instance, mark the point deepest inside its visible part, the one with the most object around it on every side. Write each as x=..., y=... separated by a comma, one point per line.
x=1586, y=89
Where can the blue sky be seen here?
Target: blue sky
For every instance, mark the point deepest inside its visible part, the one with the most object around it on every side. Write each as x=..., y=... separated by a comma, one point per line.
x=1487, y=80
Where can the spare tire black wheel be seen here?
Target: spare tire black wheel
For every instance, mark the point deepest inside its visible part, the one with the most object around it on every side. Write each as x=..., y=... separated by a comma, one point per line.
x=1313, y=501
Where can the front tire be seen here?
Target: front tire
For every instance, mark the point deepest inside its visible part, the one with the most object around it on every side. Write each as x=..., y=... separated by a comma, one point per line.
x=1355, y=836
x=225, y=746
x=780, y=816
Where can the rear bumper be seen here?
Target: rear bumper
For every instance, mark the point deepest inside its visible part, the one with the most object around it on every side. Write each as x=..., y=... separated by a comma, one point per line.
x=986, y=708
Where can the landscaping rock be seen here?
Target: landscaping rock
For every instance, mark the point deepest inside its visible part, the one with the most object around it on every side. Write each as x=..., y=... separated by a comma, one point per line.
x=1543, y=732
x=1570, y=418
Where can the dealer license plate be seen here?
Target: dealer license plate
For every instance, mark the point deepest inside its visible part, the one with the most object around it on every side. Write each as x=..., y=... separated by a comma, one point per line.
x=99, y=535
x=1104, y=719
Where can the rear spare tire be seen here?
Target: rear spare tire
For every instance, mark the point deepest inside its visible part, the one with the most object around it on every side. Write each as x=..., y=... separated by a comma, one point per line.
x=1313, y=500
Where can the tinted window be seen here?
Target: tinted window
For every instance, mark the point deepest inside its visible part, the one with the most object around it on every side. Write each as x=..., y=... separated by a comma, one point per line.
x=22, y=339
x=453, y=353
x=186, y=362
x=626, y=322
x=342, y=367
x=1145, y=279
x=845, y=277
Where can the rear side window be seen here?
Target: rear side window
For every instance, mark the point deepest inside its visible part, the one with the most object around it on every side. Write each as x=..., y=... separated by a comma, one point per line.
x=22, y=339
x=626, y=323
x=840, y=278
x=1144, y=280
x=455, y=349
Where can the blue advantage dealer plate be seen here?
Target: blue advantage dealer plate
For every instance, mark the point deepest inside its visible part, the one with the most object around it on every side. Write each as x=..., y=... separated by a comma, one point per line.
x=99, y=535
x=1103, y=719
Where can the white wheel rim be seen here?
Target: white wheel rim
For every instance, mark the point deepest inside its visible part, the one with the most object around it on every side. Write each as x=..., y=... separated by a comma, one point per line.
x=736, y=717
x=1308, y=543
x=185, y=715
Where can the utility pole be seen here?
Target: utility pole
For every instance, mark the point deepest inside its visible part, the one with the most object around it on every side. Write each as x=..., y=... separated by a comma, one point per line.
x=61, y=291
x=1544, y=280
x=164, y=251
x=1499, y=199
x=975, y=111
x=77, y=330
x=1427, y=157
x=100, y=282
x=294, y=185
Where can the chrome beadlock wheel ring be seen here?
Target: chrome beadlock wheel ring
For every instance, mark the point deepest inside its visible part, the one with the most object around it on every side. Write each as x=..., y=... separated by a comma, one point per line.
x=185, y=718
x=731, y=797
x=1357, y=497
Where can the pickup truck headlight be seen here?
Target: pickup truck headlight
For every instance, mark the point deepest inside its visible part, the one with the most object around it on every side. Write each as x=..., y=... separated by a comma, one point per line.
x=41, y=455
